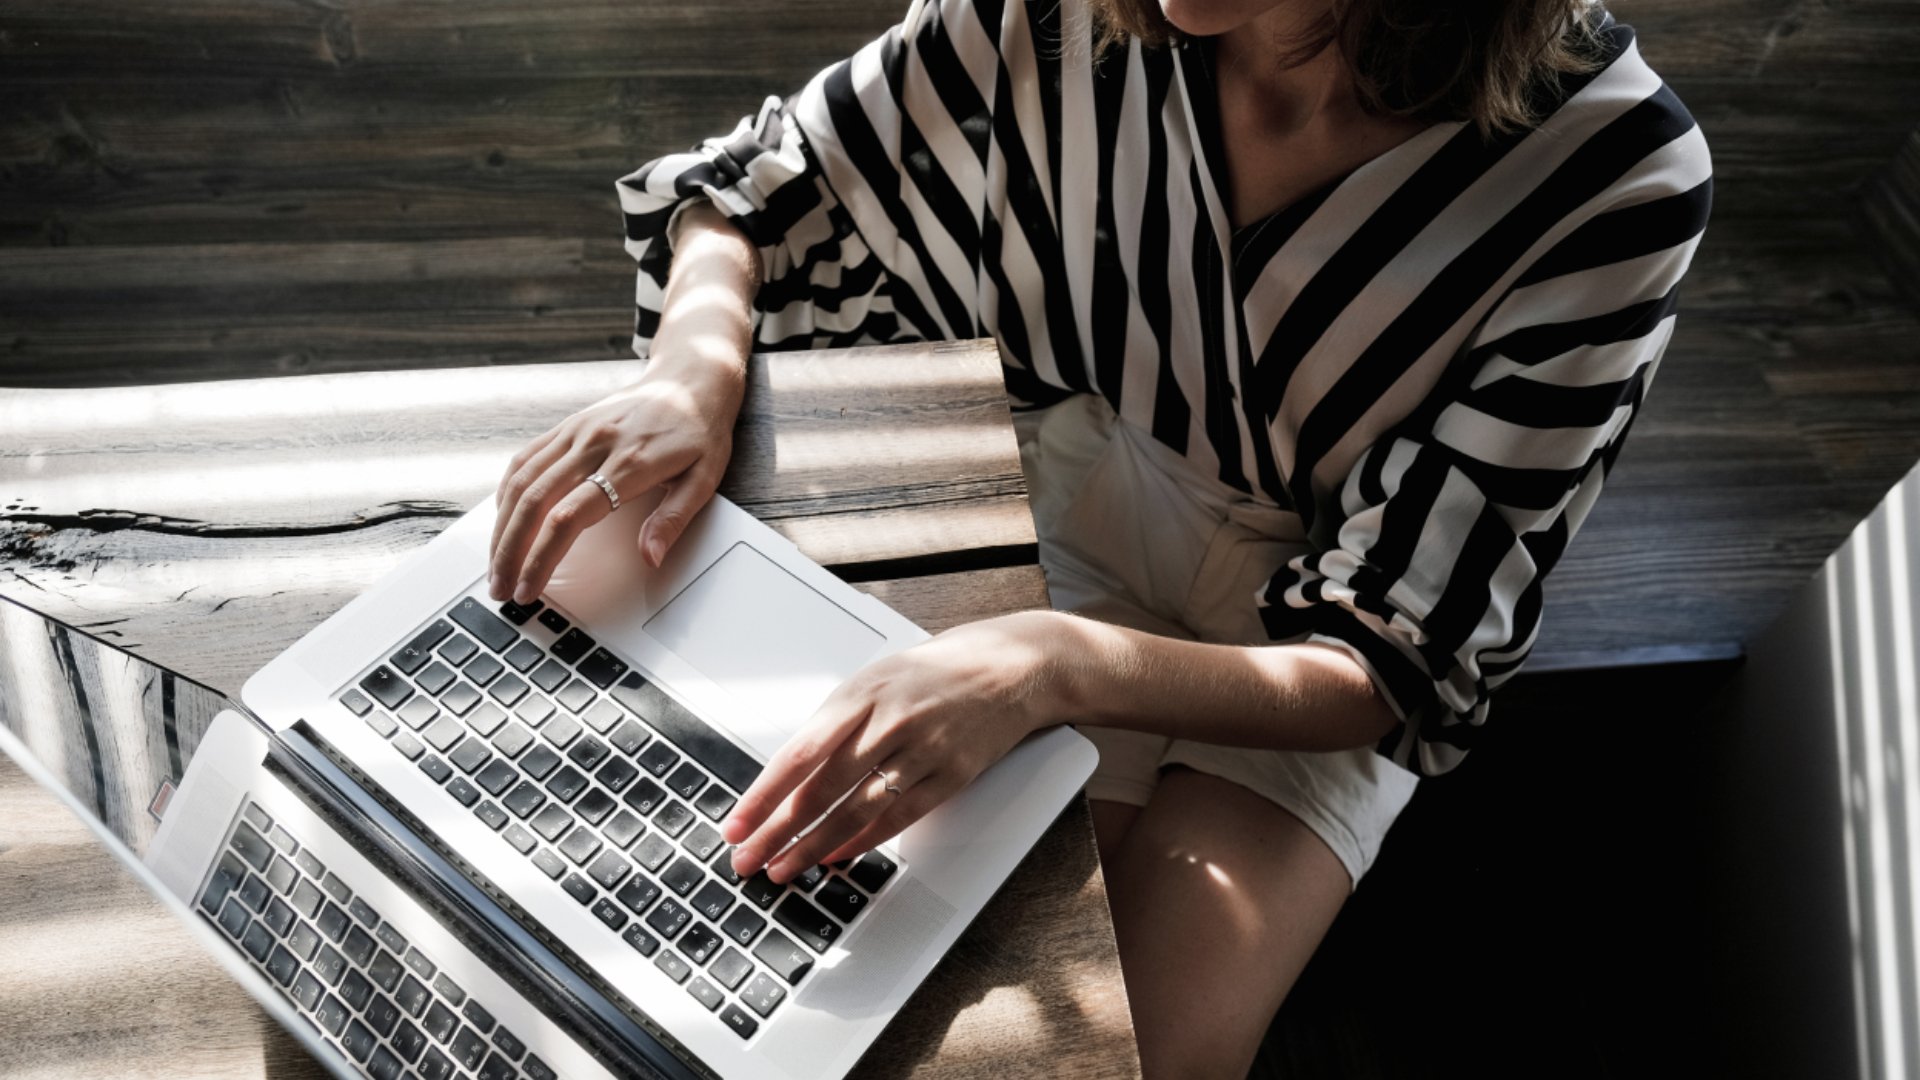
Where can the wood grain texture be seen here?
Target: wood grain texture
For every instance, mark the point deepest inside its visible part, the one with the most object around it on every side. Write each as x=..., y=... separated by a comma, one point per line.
x=97, y=978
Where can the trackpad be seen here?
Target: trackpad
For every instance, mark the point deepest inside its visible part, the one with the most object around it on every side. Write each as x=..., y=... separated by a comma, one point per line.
x=764, y=636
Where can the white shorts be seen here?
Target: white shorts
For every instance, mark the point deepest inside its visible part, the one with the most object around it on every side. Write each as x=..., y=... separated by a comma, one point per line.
x=1131, y=533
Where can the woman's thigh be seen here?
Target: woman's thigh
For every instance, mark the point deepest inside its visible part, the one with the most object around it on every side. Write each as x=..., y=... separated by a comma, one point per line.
x=1219, y=898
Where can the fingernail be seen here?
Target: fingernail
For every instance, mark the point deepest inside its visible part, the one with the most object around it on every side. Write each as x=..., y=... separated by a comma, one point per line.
x=524, y=593
x=655, y=549
x=730, y=830
x=493, y=586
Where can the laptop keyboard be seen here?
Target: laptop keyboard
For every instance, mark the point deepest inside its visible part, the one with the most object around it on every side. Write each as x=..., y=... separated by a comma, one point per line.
x=614, y=790
x=369, y=992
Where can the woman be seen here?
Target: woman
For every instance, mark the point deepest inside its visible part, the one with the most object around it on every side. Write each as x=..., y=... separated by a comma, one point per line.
x=1323, y=321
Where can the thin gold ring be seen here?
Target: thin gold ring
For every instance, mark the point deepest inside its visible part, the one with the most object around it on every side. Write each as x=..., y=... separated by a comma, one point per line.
x=888, y=780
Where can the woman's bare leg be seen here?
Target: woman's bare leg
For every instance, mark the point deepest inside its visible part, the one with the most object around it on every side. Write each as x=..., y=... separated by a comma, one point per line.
x=1219, y=899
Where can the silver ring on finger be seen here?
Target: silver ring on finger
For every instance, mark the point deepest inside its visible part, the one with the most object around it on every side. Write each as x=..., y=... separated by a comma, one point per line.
x=888, y=780
x=606, y=486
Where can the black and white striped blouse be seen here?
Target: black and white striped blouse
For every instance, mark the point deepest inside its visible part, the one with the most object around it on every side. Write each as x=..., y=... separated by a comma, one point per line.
x=1433, y=360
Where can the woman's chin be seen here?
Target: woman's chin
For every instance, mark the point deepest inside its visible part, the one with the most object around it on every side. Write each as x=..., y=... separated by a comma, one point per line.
x=1205, y=18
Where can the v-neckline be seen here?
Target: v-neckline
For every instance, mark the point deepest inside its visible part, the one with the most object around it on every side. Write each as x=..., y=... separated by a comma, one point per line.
x=1203, y=96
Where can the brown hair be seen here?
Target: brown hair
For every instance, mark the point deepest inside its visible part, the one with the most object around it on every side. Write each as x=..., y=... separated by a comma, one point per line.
x=1486, y=61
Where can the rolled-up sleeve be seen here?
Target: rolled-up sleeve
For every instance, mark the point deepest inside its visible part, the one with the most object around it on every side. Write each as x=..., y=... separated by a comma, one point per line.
x=1453, y=520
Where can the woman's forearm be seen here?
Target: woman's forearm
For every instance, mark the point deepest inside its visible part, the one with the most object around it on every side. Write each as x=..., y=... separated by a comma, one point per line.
x=706, y=314
x=1285, y=697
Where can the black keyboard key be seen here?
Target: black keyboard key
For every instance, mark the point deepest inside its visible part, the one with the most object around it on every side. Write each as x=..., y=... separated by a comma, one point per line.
x=253, y=892
x=227, y=875
x=281, y=839
x=408, y=746
x=730, y=968
x=645, y=797
x=303, y=941
x=359, y=948
x=418, y=961
x=553, y=621
x=356, y=702
x=517, y=613
x=252, y=846
x=629, y=736
x=382, y=1015
x=510, y=689
x=458, y=650
x=281, y=875
x=497, y=1067
x=580, y=845
x=385, y=971
x=470, y=755
x=449, y=989
x=483, y=624
x=602, y=716
x=443, y=733
x=417, y=713
x=658, y=759
x=282, y=965
x=608, y=912
x=623, y=829
x=382, y=724
x=408, y=1042
x=704, y=993
x=703, y=841
x=332, y=1015
x=356, y=991
x=713, y=900
x=637, y=894
x=313, y=867
x=435, y=768
x=259, y=817
x=739, y=1022
x=673, y=818
x=391, y=938
x=601, y=668
x=683, y=876
x=815, y=929
x=433, y=1066
x=551, y=822
x=414, y=654
x=387, y=688
x=385, y=1065
x=521, y=839
x=688, y=732
x=461, y=699
x=359, y=1041
x=671, y=962
x=571, y=646
x=686, y=780
x=841, y=900
x=763, y=995
x=435, y=678
x=567, y=784
x=463, y=792
x=487, y=718
x=485, y=668
x=333, y=922
x=714, y=802
x=576, y=695
x=512, y=739
x=440, y=1022
x=307, y=991
x=524, y=799
x=490, y=812
x=642, y=942
x=588, y=752
x=549, y=675
x=478, y=1016
x=594, y=806
x=653, y=851
x=871, y=871
x=722, y=864
x=668, y=918
x=534, y=710
x=609, y=869
x=761, y=889
x=699, y=943
x=467, y=1049
x=412, y=997
x=497, y=777
x=278, y=917
x=579, y=888
x=549, y=863
x=743, y=925
x=523, y=656
x=540, y=761
x=808, y=878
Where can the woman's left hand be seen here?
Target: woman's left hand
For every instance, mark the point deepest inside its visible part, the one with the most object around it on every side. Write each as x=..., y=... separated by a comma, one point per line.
x=931, y=718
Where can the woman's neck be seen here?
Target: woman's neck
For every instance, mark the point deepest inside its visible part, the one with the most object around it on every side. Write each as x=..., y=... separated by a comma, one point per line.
x=1247, y=59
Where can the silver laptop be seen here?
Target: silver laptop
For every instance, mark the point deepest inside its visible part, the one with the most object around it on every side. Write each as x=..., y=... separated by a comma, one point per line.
x=465, y=838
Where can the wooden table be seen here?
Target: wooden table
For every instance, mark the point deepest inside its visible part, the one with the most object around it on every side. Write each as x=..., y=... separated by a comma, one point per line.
x=206, y=527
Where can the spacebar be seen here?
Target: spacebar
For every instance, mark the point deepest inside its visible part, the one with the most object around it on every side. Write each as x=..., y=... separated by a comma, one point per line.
x=686, y=731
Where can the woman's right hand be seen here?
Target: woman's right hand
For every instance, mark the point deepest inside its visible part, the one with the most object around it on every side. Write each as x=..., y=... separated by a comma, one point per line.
x=673, y=427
